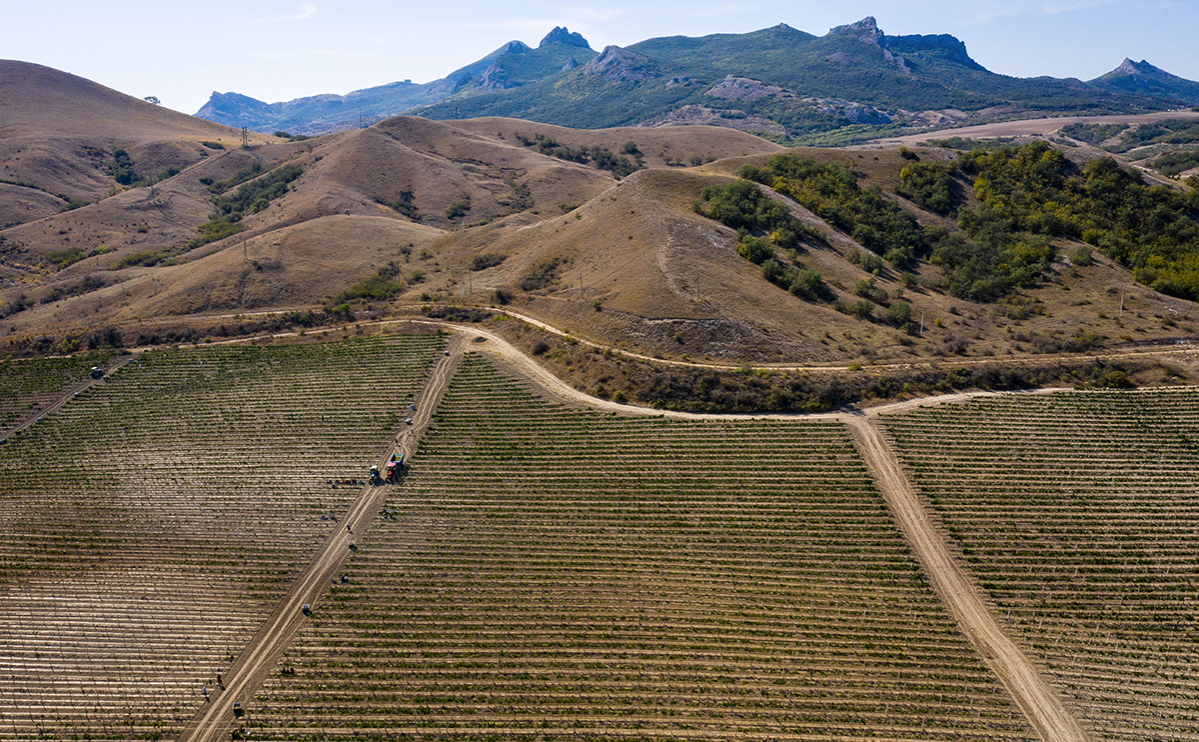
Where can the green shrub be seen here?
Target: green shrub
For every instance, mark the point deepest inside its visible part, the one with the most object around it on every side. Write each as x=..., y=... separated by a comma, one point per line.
x=63, y=258
x=485, y=261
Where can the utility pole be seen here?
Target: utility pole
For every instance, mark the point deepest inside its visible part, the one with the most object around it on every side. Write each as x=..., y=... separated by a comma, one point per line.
x=922, y=323
x=244, y=256
x=1121, y=303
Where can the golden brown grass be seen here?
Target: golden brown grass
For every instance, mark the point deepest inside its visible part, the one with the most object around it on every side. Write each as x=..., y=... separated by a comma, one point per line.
x=637, y=267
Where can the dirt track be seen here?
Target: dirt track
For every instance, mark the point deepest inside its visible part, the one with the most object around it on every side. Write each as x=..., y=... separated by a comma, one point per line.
x=1025, y=127
x=66, y=396
x=1041, y=704
x=256, y=662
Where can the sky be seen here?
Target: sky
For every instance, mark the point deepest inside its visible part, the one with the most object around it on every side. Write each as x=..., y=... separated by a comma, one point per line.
x=279, y=50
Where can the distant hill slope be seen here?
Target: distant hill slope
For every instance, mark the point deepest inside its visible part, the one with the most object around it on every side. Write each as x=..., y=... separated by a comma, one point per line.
x=60, y=131
x=610, y=234
x=856, y=80
x=1143, y=78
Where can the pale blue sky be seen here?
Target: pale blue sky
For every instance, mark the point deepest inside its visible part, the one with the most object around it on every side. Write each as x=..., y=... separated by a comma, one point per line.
x=277, y=50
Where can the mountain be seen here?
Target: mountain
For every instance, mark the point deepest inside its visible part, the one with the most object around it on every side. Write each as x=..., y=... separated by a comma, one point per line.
x=778, y=81
x=1143, y=78
x=512, y=65
x=789, y=83
x=130, y=217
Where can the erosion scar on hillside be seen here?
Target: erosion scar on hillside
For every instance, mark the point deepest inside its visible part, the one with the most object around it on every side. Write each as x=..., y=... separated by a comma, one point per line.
x=262, y=653
x=1039, y=702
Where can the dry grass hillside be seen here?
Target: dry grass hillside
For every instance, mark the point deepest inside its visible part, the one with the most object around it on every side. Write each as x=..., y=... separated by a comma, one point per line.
x=593, y=231
x=57, y=130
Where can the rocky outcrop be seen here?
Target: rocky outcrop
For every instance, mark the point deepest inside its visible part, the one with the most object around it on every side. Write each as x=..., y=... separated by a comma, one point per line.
x=615, y=64
x=942, y=45
x=492, y=78
x=702, y=115
x=561, y=35
x=742, y=88
x=853, y=111
x=865, y=30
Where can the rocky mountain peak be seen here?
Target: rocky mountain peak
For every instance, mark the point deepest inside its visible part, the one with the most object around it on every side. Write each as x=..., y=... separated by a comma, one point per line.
x=1128, y=67
x=561, y=35
x=865, y=30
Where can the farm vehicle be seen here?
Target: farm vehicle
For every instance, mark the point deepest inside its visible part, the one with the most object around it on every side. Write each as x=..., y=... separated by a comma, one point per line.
x=395, y=468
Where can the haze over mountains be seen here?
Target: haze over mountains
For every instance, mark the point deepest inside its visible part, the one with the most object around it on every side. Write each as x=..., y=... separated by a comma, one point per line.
x=779, y=81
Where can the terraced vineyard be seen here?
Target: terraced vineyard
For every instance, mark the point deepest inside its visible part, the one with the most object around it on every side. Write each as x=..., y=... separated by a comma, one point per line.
x=1079, y=515
x=153, y=522
x=554, y=574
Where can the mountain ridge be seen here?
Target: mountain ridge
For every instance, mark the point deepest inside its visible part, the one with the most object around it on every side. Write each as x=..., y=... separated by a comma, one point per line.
x=897, y=80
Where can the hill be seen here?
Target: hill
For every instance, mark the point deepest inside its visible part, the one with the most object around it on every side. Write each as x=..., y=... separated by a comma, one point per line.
x=1145, y=79
x=855, y=81
x=623, y=237
x=60, y=132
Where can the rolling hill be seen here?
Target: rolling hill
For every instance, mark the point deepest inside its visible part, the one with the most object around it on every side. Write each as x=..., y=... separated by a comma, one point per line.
x=605, y=233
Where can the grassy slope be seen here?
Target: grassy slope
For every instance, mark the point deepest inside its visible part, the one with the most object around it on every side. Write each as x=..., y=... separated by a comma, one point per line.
x=49, y=117
x=655, y=276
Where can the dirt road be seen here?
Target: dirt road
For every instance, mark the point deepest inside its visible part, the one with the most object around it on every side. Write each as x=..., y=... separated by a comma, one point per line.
x=1041, y=704
x=254, y=665
x=1025, y=127
x=65, y=396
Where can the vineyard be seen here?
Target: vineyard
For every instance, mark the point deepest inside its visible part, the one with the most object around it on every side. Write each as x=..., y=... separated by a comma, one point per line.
x=152, y=522
x=550, y=572
x=553, y=573
x=26, y=385
x=1077, y=513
